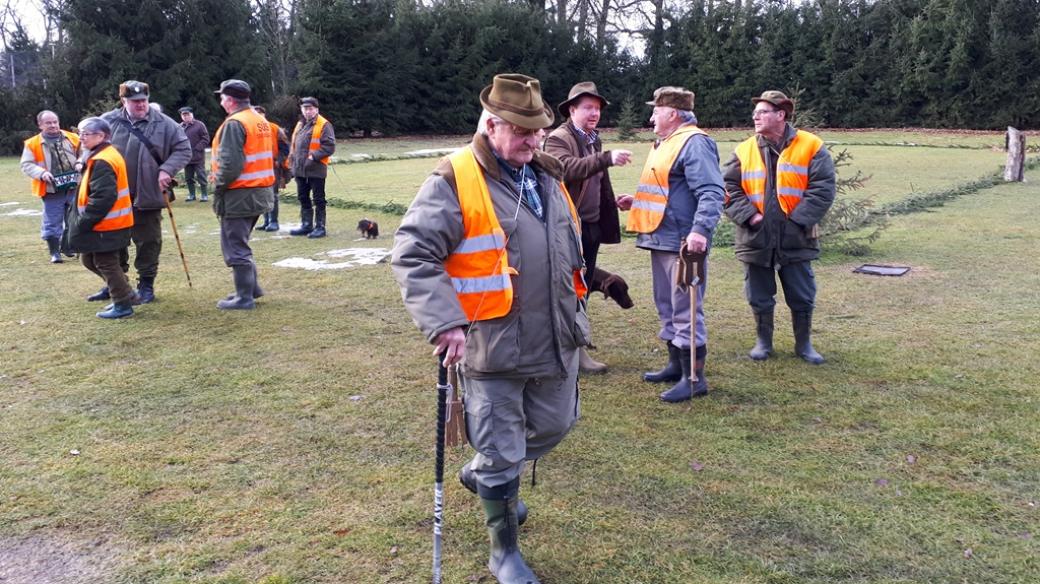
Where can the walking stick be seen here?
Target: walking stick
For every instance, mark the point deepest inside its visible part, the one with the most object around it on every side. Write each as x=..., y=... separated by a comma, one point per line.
x=176, y=236
x=687, y=277
x=443, y=387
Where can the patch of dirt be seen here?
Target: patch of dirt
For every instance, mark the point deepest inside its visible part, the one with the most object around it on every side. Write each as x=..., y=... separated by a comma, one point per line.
x=57, y=558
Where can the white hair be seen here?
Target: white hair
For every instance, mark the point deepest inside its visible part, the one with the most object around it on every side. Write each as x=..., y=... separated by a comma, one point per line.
x=687, y=116
x=482, y=122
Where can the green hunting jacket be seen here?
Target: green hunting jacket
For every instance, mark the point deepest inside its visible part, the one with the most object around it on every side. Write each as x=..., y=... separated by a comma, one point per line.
x=779, y=240
x=231, y=158
x=102, y=194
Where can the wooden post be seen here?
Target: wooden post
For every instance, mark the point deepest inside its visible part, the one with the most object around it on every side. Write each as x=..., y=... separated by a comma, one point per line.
x=1016, y=154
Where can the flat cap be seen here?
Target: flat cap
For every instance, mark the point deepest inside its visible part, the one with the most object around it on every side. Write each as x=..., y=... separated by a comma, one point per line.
x=669, y=96
x=235, y=88
x=310, y=101
x=186, y=110
x=777, y=98
x=133, y=90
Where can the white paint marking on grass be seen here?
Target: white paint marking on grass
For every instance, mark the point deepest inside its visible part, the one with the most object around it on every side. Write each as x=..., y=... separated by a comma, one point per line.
x=9, y=203
x=360, y=256
x=431, y=151
x=24, y=213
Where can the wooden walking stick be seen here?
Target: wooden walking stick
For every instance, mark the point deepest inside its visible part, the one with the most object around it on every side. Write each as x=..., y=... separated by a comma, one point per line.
x=177, y=236
x=688, y=277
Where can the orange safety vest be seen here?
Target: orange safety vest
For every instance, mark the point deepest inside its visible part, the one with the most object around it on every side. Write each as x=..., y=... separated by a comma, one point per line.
x=35, y=145
x=275, y=132
x=479, y=266
x=651, y=196
x=258, y=170
x=792, y=171
x=121, y=215
x=319, y=125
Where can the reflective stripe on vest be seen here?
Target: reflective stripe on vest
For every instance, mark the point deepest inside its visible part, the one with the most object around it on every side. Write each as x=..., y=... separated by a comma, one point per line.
x=121, y=215
x=792, y=171
x=258, y=169
x=651, y=196
x=479, y=265
x=35, y=145
x=315, y=143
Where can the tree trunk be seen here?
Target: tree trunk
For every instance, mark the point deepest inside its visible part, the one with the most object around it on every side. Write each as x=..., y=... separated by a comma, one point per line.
x=1016, y=155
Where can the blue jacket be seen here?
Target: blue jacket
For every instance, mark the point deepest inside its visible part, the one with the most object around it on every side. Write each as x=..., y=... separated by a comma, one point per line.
x=695, y=195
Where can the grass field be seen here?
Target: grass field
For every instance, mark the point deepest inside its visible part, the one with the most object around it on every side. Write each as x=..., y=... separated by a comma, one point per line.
x=293, y=444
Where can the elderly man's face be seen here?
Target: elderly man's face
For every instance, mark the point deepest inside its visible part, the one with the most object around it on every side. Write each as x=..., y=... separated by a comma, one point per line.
x=187, y=117
x=309, y=111
x=49, y=125
x=514, y=144
x=137, y=108
x=585, y=113
x=665, y=120
x=769, y=119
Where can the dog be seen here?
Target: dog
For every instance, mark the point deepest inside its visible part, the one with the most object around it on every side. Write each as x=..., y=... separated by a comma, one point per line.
x=369, y=229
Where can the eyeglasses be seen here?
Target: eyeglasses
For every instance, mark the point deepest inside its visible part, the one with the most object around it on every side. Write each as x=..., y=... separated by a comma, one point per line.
x=91, y=134
x=761, y=112
x=522, y=133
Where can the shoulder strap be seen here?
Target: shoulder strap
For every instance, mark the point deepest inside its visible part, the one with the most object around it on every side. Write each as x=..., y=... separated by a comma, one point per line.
x=142, y=138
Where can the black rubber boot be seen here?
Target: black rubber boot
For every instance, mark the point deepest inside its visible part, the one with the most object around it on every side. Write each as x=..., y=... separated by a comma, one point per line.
x=273, y=224
x=700, y=387
x=682, y=390
x=319, y=224
x=263, y=226
x=671, y=373
x=469, y=480
x=764, y=331
x=505, y=563
x=100, y=295
x=145, y=291
x=117, y=310
x=306, y=222
x=802, y=322
x=257, y=291
x=54, y=248
x=245, y=282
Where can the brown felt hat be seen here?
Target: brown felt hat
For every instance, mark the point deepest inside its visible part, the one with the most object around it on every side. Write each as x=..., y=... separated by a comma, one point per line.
x=133, y=90
x=676, y=97
x=517, y=99
x=778, y=99
x=577, y=92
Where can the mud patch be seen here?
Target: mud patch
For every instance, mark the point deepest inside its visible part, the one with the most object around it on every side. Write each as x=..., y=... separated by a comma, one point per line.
x=356, y=256
x=57, y=558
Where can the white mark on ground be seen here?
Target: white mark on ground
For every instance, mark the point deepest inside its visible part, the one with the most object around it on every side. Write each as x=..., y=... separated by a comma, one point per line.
x=9, y=203
x=359, y=256
x=24, y=213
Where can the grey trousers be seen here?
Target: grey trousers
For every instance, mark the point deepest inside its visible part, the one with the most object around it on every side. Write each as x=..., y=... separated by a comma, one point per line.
x=234, y=240
x=512, y=420
x=673, y=305
x=798, y=281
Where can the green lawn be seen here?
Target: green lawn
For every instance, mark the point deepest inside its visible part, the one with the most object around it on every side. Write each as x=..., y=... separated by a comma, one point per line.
x=293, y=444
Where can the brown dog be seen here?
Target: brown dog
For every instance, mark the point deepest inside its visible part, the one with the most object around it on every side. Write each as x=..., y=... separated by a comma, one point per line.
x=369, y=229
x=612, y=286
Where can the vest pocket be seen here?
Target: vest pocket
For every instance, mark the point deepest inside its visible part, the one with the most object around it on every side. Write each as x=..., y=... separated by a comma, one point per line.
x=494, y=345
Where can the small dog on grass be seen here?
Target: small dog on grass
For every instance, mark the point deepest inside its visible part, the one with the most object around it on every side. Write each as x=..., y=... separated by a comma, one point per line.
x=369, y=229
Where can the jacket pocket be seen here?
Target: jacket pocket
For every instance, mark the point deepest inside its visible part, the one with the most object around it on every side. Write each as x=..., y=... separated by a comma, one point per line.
x=750, y=237
x=493, y=345
x=581, y=329
x=796, y=238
